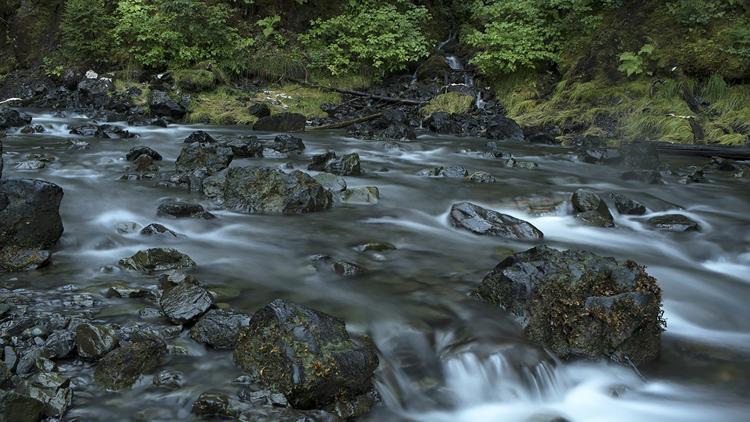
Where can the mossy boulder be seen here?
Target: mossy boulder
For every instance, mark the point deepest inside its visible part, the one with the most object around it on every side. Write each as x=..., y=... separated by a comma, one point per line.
x=205, y=157
x=305, y=354
x=267, y=191
x=16, y=407
x=591, y=208
x=122, y=367
x=578, y=304
x=157, y=259
x=195, y=80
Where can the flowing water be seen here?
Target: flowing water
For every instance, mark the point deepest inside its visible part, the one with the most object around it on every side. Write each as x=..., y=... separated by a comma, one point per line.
x=444, y=357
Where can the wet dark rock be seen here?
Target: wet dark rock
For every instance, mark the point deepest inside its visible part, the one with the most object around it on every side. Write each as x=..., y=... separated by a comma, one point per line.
x=347, y=165
x=579, y=304
x=158, y=122
x=482, y=221
x=13, y=118
x=693, y=174
x=157, y=259
x=211, y=404
x=591, y=208
x=200, y=137
x=454, y=172
x=287, y=144
x=430, y=172
x=267, y=191
x=260, y=110
x=136, y=152
x=95, y=92
x=594, y=150
x=124, y=291
x=721, y=164
x=493, y=150
x=375, y=247
x=161, y=104
x=326, y=263
x=481, y=177
x=245, y=147
x=60, y=344
x=122, y=367
x=282, y=122
x=363, y=195
x=50, y=388
x=512, y=162
x=305, y=354
x=185, y=302
x=331, y=182
x=156, y=229
x=70, y=78
x=169, y=379
x=674, y=223
x=210, y=158
x=101, y=131
x=179, y=209
x=16, y=407
x=504, y=128
x=219, y=328
x=95, y=340
x=627, y=206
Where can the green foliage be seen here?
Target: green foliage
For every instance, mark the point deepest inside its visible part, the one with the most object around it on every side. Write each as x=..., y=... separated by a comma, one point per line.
x=633, y=63
x=383, y=36
x=697, y=13
x=195, y=80
x=86, y=32
x=177, y=33
x=451, y=102
x=517, y=35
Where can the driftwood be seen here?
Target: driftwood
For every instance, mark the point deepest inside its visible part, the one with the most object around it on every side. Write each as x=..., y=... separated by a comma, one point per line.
x=732, y=153
x=362, y=94
x=9, y=100
x=345, y=123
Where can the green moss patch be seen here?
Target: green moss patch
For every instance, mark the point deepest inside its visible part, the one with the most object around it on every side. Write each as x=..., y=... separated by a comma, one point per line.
x=451, y=102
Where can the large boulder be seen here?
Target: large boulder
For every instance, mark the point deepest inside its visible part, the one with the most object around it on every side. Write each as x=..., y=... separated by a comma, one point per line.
x=50, y=388
x=346, y=165
x=30, y=222
x=95, y=340
x=185, y=302
x=16, y=407
x=267, y=191
x=282, y=122
x=161, y=104
x=578, y=304
x=482, y=221
x=205, y=157
x=287, y=144
x=95, y=92
x=13, y=118
x=504, y=128
x=157, y=259
x=305, y=354
x=122, y=367
x=591, y=209
x=219, y=328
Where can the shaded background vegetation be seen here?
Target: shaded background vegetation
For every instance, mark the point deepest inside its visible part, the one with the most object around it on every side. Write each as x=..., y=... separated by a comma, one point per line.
x=612, y=68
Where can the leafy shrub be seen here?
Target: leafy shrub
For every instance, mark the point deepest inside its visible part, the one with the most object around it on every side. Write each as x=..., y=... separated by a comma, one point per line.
x=86, y=32
x=385, y=37
x=701, y=12
x=633, y=63
x=177, y=33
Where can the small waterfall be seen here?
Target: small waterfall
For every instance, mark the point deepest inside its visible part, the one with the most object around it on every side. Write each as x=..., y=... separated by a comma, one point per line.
x=453, y=62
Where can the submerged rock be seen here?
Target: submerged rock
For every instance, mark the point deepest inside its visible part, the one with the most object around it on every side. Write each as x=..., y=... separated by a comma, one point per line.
x=179, y=209
x=326, y=263
x=155, y=229
x=347, y=165
x=481, y=177
x=365, y=195
x=305, y=354
x=579, y=304
x=282, y=122
x=331, y=182
x=219, y=328
x=674, y=223
x=136, y=152
x=482, y=221
x=185, y=302
x=267, y=191
x=122, y=367
x=627, y=206
x=157, y=259
x=591, y=209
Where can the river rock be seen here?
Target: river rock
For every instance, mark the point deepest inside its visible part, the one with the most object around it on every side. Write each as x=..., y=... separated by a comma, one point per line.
x=60, y=344
x=482, y=221
x=504, y=128
x=640, y=156
x=282, y=122
x=157, y=259
x=122, y=367
x=364, y=195
x=287, y=144
x=305, y=354
x=219, y=328
x=260, y=110
x=326, y=263
x=179, y=209
x=674, y=223
x=95, y=92
x=16, y=407
x=13, y=118
x=591, y=209
x=456, y=172
x=50, y=388
x=185, y=302
x=156, y=229
x=245, y=147
x=31, y=165
x=627, y=206
x=161, y=104
x=579, y=304
x=481, y=177
x=692, y=174
x=347, y=165
x=136, y=152
x=267, y=191
x=199, y=136
x=211, y=158
x=95, y=340
x=331, y=182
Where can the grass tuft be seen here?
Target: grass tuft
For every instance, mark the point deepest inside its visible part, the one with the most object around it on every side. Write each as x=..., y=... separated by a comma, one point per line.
x=451, y=102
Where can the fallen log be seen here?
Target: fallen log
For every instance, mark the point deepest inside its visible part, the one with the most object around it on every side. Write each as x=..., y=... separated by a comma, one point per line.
x=9, y=100
x=361, y=94
x=693, y=150
x=345, y=123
